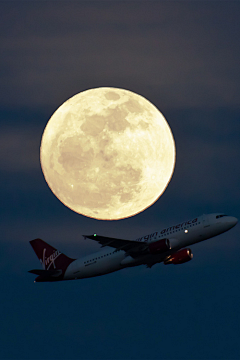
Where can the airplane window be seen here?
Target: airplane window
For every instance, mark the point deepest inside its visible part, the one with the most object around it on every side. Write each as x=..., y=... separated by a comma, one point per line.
x=219, y=216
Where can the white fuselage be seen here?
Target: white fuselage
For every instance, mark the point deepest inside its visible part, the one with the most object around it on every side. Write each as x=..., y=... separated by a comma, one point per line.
x=181, y=235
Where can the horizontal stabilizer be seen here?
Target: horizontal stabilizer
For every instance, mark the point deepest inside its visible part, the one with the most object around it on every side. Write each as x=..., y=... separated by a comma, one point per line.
x=46, y=273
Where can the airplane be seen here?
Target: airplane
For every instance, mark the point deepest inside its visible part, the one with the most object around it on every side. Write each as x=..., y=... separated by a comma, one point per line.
x=169, y=245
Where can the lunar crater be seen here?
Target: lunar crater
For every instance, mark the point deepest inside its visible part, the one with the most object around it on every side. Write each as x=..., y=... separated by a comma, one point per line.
x=111, y=95
x=93, y=125
x=134, y=106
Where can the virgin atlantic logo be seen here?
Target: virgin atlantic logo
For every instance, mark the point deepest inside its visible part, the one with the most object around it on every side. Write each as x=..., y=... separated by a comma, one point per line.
x=47, y=262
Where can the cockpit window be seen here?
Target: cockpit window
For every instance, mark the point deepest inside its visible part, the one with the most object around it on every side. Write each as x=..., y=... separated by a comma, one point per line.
x=220, y=216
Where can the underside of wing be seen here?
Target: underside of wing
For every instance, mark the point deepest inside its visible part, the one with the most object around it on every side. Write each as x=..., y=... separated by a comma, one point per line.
x=157, y=250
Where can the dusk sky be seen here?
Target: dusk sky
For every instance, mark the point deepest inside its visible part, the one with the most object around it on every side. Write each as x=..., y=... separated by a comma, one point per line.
x=184, y=57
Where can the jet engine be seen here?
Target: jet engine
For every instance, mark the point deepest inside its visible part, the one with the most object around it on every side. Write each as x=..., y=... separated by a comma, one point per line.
x=159, y=246
x=179, y=257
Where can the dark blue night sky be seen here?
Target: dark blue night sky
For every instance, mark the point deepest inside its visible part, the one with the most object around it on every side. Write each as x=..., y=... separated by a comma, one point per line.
x=184, y=57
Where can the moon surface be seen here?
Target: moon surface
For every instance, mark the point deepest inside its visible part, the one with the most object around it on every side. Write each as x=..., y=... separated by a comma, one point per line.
x=107, y=153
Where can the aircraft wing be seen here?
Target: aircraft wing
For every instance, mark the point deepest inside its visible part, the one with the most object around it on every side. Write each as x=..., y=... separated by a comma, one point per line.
x=119, y=244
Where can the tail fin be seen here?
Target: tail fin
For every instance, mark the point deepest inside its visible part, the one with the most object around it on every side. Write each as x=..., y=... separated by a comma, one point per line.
x=49, y=257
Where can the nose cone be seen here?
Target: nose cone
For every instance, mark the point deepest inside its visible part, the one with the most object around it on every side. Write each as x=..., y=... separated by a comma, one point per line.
x=232, y=221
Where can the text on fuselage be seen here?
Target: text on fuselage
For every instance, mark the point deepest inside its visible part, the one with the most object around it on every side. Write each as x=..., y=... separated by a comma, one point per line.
x=150, y=237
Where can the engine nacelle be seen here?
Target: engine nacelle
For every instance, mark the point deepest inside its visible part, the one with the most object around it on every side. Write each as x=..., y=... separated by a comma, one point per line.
x=158, y=247
x=179, y=257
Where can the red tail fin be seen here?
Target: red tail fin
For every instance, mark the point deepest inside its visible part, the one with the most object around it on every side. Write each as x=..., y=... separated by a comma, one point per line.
x=49, y=257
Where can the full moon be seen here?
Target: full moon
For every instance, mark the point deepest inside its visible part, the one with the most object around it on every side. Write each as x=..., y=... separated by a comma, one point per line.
x=107, y=153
